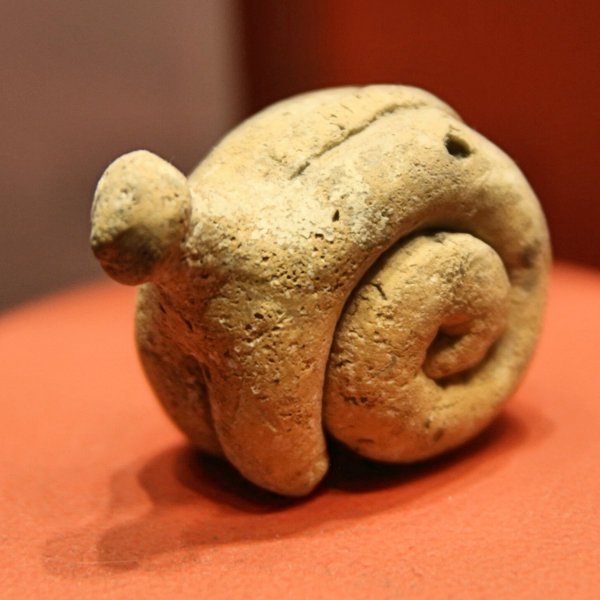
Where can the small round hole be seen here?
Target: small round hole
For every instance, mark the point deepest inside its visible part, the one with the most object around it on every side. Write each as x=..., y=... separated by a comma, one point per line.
x=456, y=147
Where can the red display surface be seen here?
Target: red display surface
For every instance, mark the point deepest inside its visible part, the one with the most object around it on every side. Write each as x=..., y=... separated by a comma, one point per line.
x=101, y=497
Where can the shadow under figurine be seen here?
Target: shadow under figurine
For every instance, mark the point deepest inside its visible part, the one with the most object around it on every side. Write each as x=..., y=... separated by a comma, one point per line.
x=353, y=260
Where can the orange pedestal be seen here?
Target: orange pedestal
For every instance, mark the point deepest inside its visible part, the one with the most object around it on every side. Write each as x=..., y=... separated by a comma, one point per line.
x=101, y=497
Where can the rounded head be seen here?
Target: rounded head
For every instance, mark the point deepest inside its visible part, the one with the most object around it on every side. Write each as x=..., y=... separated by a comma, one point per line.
x=139, y=216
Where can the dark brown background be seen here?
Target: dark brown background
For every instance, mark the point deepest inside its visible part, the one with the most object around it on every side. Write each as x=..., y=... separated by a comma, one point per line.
x=523, y=72
x=82, y=82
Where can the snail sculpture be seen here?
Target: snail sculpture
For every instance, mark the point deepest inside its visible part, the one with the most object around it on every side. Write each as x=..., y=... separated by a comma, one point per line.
x=355, y=261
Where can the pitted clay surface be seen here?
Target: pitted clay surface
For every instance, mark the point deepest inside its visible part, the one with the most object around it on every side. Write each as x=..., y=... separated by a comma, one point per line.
x=355, y=260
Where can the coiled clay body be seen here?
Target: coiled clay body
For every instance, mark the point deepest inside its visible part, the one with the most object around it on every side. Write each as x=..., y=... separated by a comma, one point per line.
x=354, y=260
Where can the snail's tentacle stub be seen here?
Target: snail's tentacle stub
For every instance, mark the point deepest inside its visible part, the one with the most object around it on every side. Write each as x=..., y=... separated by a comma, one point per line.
x=139, y=217
x=357, y=251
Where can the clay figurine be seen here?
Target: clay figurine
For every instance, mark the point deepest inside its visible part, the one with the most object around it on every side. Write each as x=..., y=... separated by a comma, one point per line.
x=353, y=262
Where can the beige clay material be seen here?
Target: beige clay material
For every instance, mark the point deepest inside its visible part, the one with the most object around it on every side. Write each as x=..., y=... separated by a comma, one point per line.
x=354, y=260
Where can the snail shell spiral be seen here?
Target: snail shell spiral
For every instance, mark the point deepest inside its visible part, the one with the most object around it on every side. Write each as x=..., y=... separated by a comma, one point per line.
x=356, y=261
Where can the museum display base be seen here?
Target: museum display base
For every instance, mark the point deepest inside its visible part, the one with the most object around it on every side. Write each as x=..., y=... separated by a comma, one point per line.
x=101, y=497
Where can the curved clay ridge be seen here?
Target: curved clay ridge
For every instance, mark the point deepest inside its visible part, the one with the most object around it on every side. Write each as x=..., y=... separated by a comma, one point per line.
x=328, y=211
